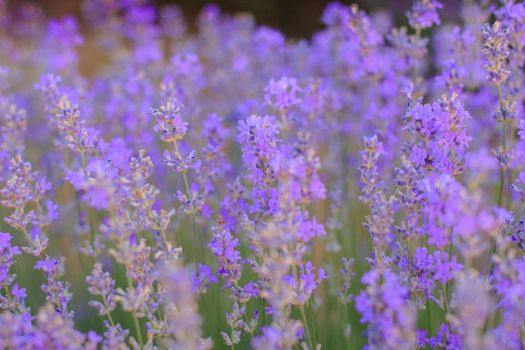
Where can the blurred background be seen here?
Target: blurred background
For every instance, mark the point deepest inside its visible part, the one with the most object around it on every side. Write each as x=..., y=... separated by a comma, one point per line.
x=295, y=18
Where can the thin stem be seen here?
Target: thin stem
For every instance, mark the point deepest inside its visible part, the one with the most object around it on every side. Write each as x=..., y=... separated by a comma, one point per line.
x=310, y=313
x=89, y=210
x=409, y=262
x=501, y=184
x=306, y=327
x=111, y=322
x=27, y=236
x=504, y=146
x=427, y=304
x=429, y=316
x=445, y=303
x=303, y=313
x=138, y=330
x=136, y=321
x=8, y=296
x=196, y=240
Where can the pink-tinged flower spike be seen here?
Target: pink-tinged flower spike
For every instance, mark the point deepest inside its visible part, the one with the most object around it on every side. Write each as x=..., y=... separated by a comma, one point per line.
x=172, y=129
x=79, y=138
x=512, y=14
x=13, y=124
x=140, y=276
x=101, y=284
x=23, y=189
x=215, y=164
x=277, y=273
x=496, y=51
x=65, y=117
x=347, y=276
x=473, y=304
x=181, y=310
x=379, y=222
x=369, y=169
x=13, y=127
x=115, y=337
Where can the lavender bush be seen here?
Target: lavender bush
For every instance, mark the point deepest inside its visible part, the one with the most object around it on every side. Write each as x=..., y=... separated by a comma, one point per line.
x=228, y=188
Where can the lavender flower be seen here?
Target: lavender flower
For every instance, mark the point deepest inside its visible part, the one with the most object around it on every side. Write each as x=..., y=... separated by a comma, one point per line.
x=271, y=179
x=203, y=278
x=56, y=291
x=169, y=121
x=282, y=95
x=100, y=283
x=383, y=307
x=22, y=189
x=423, y=14
x=181, y=310
x=496, y=51
x=8, y=254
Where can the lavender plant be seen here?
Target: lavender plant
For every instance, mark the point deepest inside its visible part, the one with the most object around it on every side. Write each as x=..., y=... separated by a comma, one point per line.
x=226, y=187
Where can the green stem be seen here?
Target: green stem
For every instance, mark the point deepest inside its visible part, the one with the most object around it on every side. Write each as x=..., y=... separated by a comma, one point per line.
x=500, y=187
x=8, y=296
x=445, y=303
x=138, y=330
x=429, y=316
x=111, y=322
x=504, y=145
x=136, y=321
x=89, y=210
x=27, y=236
x=310, y=312
x=347, y=324
x=501, y=184
x=196, y=239
x=306, y=327
x=303, y=313
x=427, y=304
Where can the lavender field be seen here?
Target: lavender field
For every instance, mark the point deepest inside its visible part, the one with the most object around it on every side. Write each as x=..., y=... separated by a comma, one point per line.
x=168, y=183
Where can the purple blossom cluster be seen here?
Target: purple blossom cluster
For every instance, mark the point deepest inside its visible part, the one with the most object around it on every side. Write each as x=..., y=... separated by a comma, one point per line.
x=163, y=187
